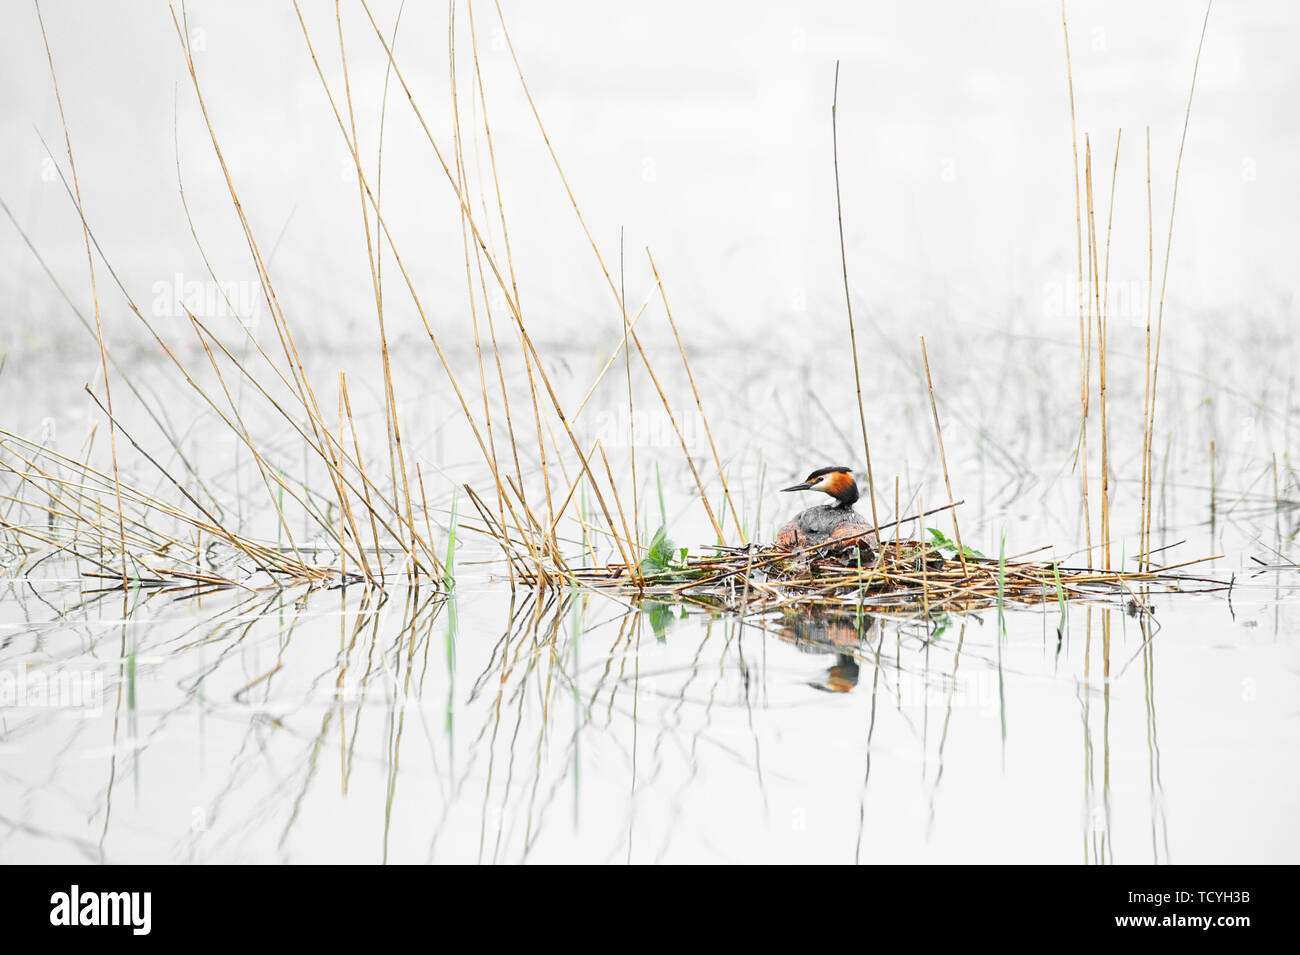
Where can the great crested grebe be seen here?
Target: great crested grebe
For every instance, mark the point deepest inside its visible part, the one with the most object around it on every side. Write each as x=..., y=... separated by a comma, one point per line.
x=820, y=524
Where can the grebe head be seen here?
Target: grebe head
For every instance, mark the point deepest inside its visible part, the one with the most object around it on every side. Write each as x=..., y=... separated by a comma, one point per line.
x=836, y=481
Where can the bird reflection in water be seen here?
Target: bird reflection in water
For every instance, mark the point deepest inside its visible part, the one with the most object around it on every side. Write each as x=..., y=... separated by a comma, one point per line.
x=830, y=631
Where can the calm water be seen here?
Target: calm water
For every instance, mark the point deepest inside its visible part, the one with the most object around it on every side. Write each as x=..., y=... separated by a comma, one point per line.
x=259, y=724
x=480, y=729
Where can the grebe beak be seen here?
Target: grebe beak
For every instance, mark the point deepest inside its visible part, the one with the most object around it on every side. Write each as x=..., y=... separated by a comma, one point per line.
x=798, y=487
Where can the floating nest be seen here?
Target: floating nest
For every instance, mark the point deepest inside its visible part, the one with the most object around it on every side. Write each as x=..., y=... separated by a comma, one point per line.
x=897, y=577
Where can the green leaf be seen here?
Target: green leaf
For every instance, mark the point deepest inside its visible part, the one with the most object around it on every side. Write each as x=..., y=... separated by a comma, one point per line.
x=941, y=541
x=662, y=555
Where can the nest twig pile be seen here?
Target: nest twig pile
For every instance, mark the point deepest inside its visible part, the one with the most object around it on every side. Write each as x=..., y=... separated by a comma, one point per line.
x=898, y=577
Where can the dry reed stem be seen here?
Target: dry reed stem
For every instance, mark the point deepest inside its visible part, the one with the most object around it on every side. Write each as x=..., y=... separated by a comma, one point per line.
x=267, y=472
x=943, y=458
x=609, y=363
x=265, y=557
x=230, y=538
x=505, y=238
x=1103, y=332
x=631, y=410
x=699, y=405
x=397, y=458
x=347, y=504
x=848, y=299
x=462, y=186
x=1144, y=541
x=244, y=434
x=1081, y=447
x=125, y=379
x=94, y=292
x=356, y=445
x=1169, y=242
x=633, y=567
x=1095, y=284
x=530, y=350
x=297, y=371
x=690, y=462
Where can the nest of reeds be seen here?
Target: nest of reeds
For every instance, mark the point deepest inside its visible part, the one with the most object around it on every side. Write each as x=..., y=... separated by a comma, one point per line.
x=896, y=576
